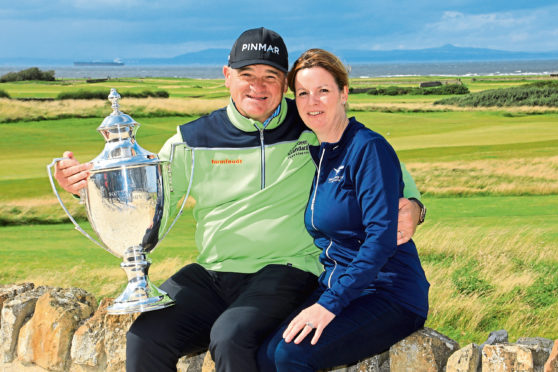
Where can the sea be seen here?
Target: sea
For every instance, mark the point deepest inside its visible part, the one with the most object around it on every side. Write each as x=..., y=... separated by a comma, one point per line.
x=461, y=68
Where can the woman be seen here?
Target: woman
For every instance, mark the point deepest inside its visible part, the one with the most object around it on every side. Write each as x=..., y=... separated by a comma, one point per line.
x=372, y=292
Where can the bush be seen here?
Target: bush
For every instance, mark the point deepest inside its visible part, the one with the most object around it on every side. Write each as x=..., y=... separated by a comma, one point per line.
x=542, y=93
x=3, y=94
x=439, y=90
x=83, y=94
x=94, y=94
x=32, y=73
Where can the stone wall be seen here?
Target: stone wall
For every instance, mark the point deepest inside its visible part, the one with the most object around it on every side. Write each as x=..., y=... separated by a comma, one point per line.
x=57, y=329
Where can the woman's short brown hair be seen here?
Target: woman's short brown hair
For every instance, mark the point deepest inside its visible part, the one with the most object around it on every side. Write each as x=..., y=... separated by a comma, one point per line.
x=320, y=58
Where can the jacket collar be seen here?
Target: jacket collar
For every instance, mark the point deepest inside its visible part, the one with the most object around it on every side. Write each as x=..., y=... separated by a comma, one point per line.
x=250, y=125
x=348, y=133
x=332, y=148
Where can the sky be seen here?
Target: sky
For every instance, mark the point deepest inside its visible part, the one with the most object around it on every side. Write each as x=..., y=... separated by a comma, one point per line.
x=107, y=29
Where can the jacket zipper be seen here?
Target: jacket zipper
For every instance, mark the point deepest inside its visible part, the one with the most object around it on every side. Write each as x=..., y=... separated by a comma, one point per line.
x=312, y=218
x=262, y=144
x=262, y=152
x=334, y=263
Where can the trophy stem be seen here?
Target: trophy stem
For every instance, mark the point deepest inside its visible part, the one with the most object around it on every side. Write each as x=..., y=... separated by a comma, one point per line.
x=140, y=294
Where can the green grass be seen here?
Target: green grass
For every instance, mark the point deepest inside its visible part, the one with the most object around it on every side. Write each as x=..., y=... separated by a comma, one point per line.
x=177, y=88
x=58, y=255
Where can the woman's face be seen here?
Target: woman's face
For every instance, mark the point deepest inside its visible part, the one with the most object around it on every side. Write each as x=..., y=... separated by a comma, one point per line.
x=320, y=103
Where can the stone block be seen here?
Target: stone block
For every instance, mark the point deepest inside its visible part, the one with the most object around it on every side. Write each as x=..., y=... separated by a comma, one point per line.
x=9, y=291
x=46, y=338
x=191, y=363
x=425, y=350
x=466, y=359
x=551, y=364
x=15, y=313
x=116, y=327
x=540, y=349
x=88, y=346
x=507, y=357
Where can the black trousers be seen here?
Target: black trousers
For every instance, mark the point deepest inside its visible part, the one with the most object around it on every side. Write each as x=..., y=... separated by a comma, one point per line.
x=229, y=313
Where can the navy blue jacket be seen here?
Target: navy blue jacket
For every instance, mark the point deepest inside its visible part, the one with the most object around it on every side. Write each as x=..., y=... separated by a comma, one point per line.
x=352, y=216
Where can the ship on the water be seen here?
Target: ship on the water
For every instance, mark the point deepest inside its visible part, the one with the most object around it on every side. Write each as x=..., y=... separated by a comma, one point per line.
x=115, y=62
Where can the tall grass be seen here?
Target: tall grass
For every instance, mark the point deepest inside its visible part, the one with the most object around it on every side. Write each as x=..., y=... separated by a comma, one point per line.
x=521, y=176
x=487, y=279
x=12, y=111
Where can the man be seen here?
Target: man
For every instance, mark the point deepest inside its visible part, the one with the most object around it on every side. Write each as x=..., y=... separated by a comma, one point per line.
x=252, y=176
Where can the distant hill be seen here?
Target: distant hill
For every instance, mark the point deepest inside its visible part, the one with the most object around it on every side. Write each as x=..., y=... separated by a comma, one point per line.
x=203, y=57
x=444, y=53
x=218, y=57
x=447, y=53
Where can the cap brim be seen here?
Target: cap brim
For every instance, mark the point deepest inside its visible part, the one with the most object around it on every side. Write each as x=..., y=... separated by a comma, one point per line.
x=249, y=62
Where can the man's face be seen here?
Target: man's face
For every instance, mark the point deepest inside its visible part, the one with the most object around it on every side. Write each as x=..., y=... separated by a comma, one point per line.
x=256, y=90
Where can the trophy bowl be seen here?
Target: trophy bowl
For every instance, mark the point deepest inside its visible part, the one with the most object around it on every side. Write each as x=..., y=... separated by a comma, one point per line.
x=127, y=204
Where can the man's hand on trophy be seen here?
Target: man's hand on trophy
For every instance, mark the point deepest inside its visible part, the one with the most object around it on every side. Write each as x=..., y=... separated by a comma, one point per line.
x=71, y=174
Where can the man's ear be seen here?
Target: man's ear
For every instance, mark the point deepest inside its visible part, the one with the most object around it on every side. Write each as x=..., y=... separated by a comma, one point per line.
x=226, y=74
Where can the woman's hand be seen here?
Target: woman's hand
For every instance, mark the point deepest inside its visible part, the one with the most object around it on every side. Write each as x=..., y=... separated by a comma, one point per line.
x=313, y=317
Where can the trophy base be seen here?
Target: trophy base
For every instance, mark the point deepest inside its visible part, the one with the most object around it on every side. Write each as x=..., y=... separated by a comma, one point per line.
x=140, y=306
x=140, y=294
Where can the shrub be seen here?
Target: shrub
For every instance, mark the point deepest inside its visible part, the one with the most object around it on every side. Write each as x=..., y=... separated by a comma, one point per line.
x=32, y=73
x=96, y=94
x=83, y=94
x=3, y=94
x=541, y=93
x=439, y=90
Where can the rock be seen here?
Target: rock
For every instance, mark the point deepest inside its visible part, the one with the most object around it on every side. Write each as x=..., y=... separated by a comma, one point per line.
x=208, y=364
x=540, y=349
x=15, y=313
x=88, y=347
x=466, y=359
x=496, y=337
x=506, y=357
x=377, y=363
x=425, y=350
x=9, y=291
x=116, y=327
x=191, y=363
x=551, y=364
x=46, y=338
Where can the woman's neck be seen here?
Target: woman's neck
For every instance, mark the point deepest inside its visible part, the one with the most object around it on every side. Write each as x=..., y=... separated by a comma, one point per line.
x=334, y=132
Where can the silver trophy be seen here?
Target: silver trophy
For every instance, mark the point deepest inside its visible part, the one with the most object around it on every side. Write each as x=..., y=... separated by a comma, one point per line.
x=127, y=202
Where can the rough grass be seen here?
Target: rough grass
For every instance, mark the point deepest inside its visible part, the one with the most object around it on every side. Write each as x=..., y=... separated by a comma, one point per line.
x=523, y=176
x=12, y=110
x=487, y=279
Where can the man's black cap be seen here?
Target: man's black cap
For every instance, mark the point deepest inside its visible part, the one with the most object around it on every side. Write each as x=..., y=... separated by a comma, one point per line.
x=259, y=46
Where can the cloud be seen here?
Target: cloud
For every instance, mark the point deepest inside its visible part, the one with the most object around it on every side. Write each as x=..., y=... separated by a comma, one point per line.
x=521, y=30
x=165, y=28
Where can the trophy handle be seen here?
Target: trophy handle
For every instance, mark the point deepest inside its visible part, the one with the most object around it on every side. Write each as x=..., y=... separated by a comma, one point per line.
x=173, y=149
x=77, y=226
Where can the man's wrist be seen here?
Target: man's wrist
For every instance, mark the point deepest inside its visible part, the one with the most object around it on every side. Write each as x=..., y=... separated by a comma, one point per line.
x=422, y=214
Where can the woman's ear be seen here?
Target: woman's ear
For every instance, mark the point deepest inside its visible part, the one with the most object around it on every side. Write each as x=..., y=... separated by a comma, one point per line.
x=345, y=95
